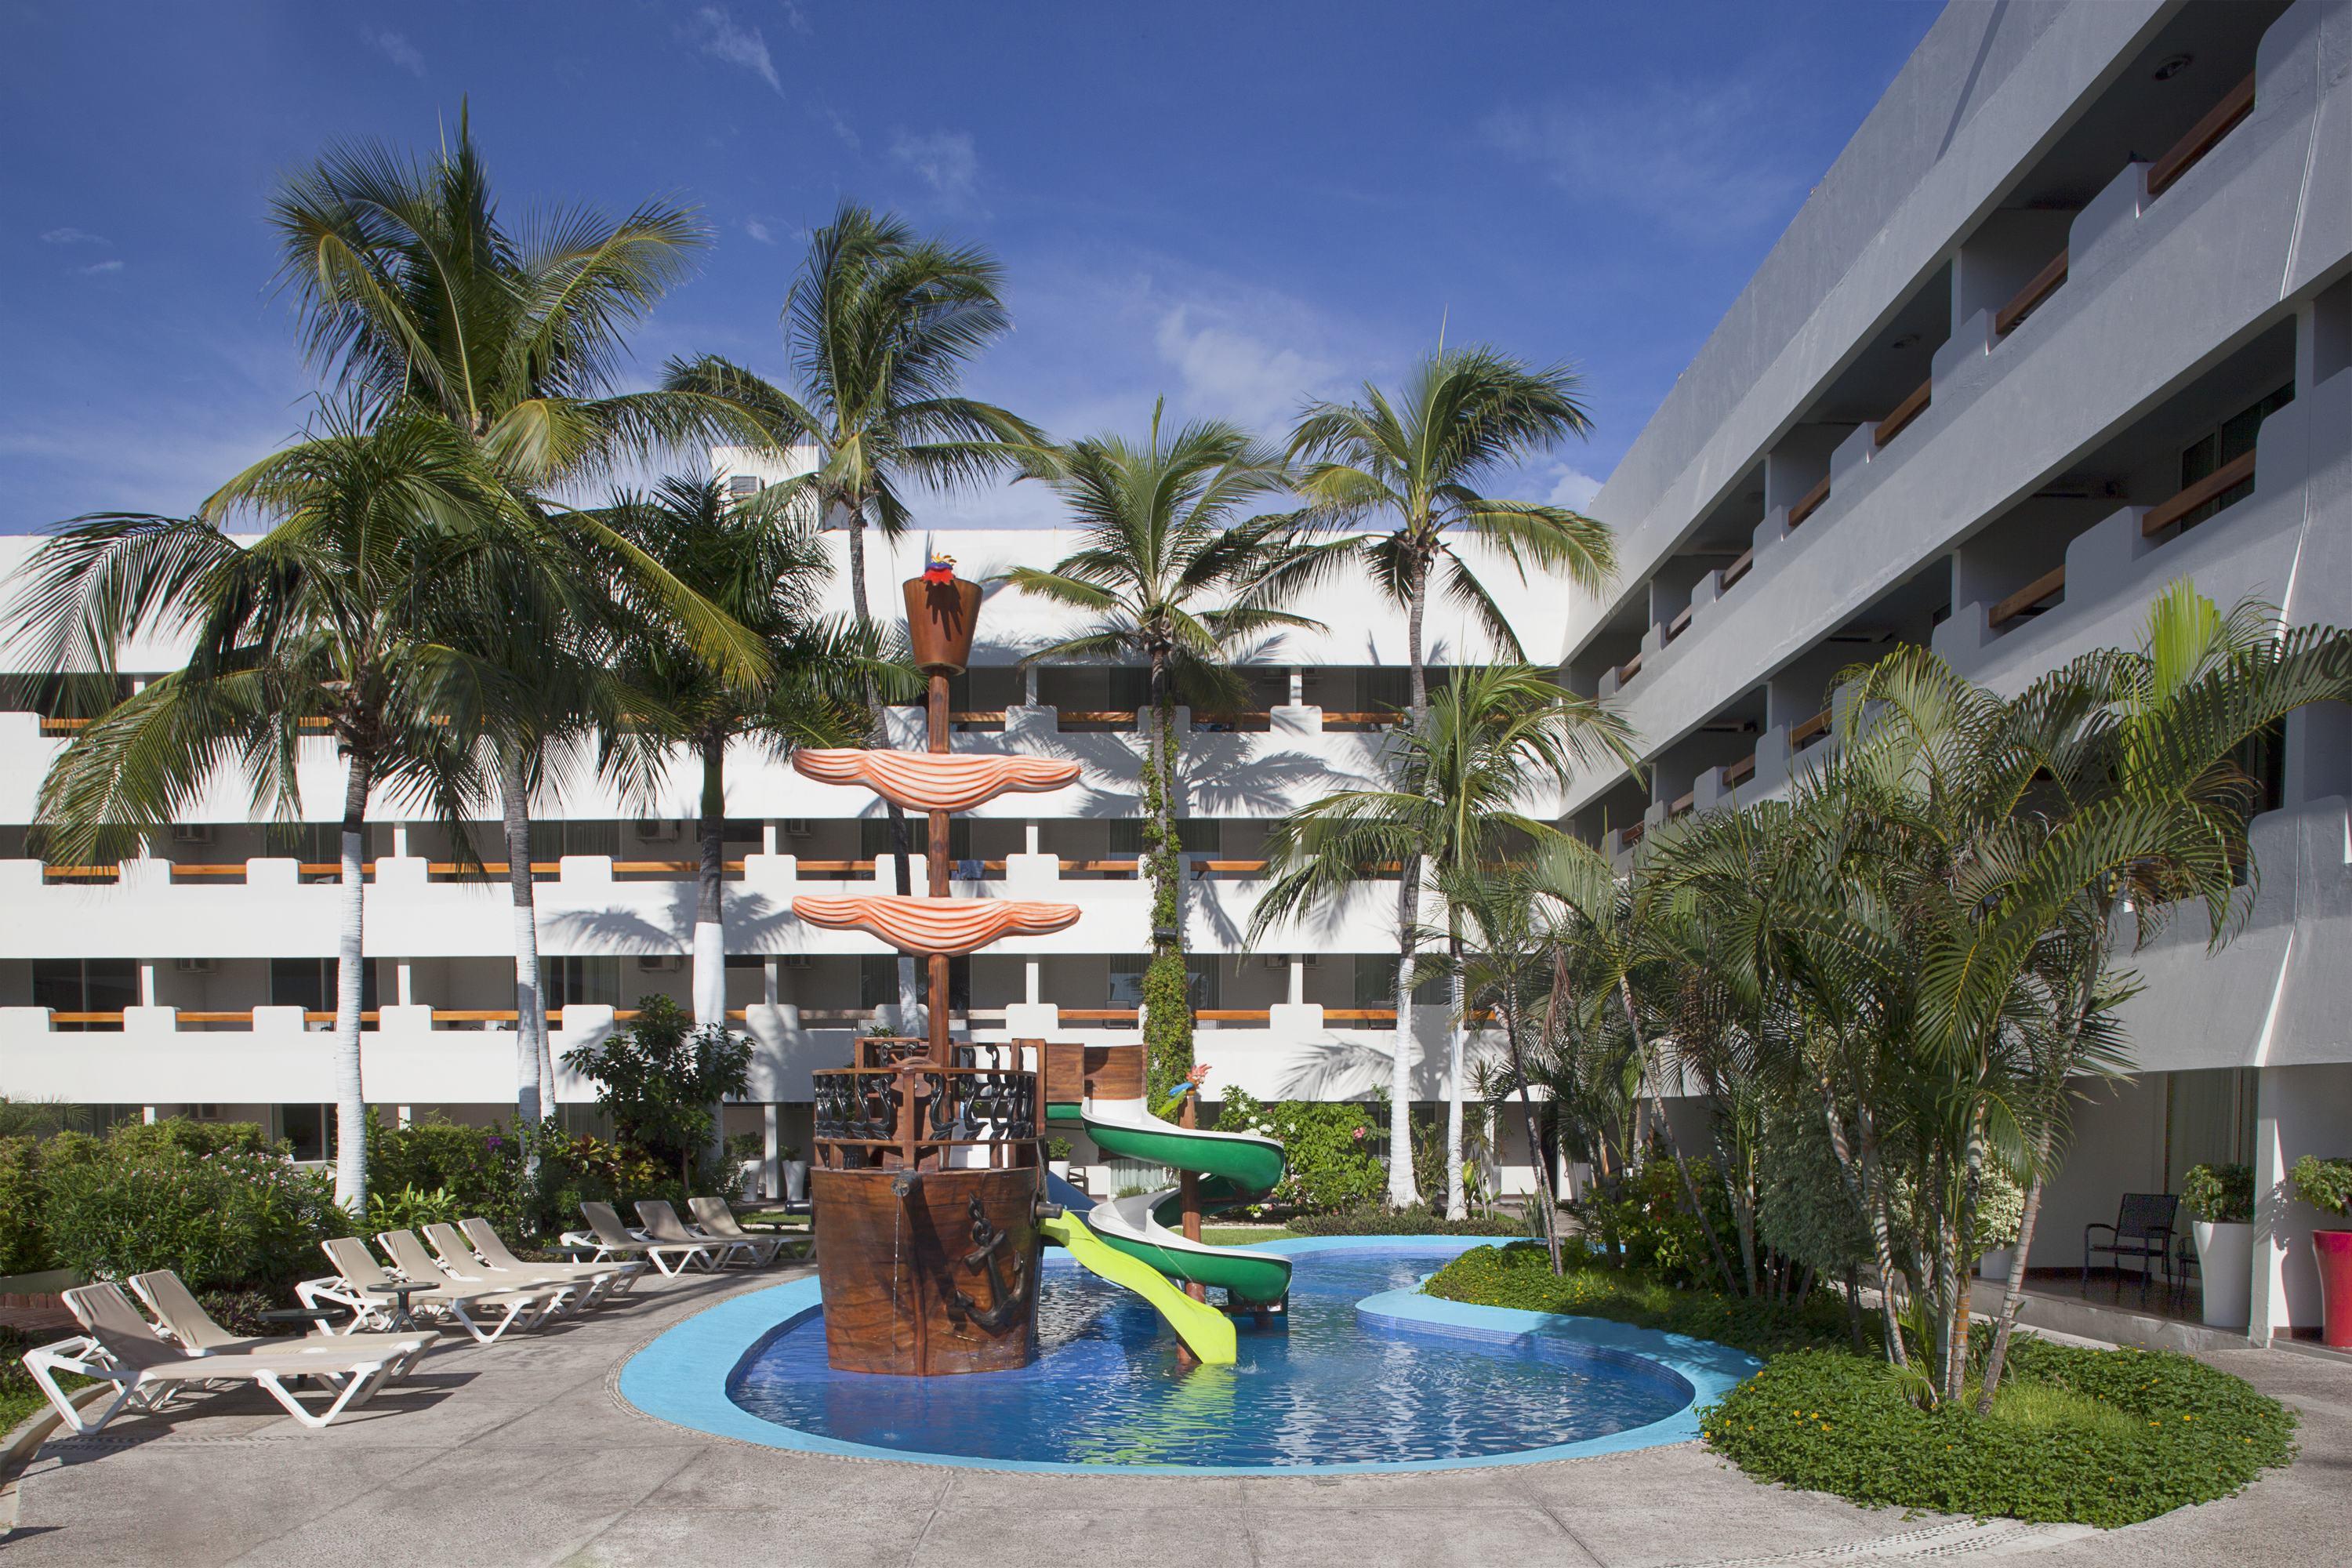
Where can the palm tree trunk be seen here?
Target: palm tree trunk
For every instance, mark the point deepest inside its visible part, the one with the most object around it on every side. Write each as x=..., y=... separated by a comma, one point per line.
x=709, y=911
x=1539, y=1153
x=2012, y=1296
x=1403, y=1194
x=532, y=1088
x=350, y=948
x=1168, y=1040
x=1458, y=1204
x=878, y=737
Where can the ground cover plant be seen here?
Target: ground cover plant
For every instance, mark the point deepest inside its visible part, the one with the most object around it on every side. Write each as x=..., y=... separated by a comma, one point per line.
x=2101, y=1437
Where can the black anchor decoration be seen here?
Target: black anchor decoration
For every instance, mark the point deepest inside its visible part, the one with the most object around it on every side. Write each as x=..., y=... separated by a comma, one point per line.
x=987, y=1252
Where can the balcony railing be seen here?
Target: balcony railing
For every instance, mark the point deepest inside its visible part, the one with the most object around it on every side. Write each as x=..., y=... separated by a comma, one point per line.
x=2201, y=139
x=2035, y=597
x=1809, y=503
x=1903, y=412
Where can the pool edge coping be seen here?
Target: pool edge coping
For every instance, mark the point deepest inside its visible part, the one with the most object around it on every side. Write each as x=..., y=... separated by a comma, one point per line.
x=672, y=1378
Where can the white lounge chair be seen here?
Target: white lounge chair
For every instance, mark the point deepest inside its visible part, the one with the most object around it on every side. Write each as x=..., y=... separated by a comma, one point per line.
x=357, y=1272
x=663, y=1225
x=611, y=1238
x=121, y=1348
x=493, y=1250
x=590, y=1281
x=184, y=1317
x=713, y=1217
x=415, y=1263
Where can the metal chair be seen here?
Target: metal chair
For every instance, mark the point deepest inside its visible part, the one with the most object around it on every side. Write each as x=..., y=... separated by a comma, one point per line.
x=2143, y=1230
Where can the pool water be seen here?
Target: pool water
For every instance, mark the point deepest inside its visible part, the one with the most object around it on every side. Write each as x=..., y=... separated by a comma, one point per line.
x=1320, y=1388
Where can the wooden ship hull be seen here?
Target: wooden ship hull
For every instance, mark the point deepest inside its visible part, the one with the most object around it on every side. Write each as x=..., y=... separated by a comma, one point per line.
x=928, y=1274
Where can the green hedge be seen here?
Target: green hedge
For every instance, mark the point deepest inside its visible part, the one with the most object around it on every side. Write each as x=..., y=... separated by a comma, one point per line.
x=2102, y=1437
x=1401, y=1222
x=1520, y=1276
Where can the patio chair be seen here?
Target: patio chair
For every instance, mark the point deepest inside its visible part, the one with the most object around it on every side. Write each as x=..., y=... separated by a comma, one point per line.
x=713, y=1217
x=611, y=1238
x=662, y=1223
x=121, y=1347
x=184, y=1317
x=357, y=1272
x=621, y=1273
x=2143, y=1230
x=589, y=1281
x=416, y=1263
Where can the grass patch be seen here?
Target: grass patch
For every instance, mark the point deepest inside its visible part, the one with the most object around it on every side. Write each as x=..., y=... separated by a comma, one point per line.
x=19, y=1394
x=1520, y=1276
x=1244, y=1235
x=2075, y=1435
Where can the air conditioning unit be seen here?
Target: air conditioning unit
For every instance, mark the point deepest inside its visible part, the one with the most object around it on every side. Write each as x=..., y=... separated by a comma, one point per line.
x=192, y=832
x=661, y=963
x=665, y=832
x=739, y=486
x=208, y=1113
x=800, y=960
x=798, y=827
x=193, y=966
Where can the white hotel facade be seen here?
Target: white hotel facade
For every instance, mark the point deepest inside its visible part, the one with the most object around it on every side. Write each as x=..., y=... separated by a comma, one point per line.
x=2070, y=317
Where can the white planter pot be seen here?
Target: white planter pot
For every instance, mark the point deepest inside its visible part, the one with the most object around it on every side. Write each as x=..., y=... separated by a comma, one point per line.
x=2225, y=1264
x=1996, y=1264
x=796, y=1181
x=1059, y=1167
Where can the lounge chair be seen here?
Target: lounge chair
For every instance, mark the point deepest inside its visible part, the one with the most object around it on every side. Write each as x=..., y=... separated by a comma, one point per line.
x=590, y=1282
x=357, y=1273
x=121, y=1347
x=414, y=1262
x=184, y=1319
x=713, y=1217
x=623, y=1273
x=663, y=1225
x=611, y=1238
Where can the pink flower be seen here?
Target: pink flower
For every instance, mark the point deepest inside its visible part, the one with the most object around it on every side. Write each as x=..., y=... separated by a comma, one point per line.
x=1359, y=1133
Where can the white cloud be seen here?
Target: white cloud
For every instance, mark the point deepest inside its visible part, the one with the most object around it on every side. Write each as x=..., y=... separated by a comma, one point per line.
x=945, y=159
x=1233, y=374
x=758, y=231
x=98, y=268
x=798, y=20
x=1683, y=157
x=73, y=237
x=716, y=33
x=1574, y=489
x=395, y=48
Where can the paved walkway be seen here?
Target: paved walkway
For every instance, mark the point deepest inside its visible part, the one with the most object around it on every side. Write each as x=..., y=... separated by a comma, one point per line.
x=522, y=1453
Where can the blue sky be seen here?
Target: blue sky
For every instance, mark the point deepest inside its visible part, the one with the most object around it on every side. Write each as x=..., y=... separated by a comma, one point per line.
x=1235, y=206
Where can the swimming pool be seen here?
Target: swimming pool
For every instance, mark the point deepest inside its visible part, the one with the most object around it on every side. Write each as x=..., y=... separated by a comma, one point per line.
x=1365, y=1374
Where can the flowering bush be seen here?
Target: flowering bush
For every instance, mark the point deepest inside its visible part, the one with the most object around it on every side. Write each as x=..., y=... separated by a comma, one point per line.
x=1327, y=1149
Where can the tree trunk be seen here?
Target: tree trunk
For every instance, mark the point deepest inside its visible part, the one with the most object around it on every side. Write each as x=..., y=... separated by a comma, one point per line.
x=1539, y=1153
x=350, y=979
x=1402, y=1193
x=1673, y=1144
x=533, y=1089
x=1168, y=1040
x=1458, y=1204
x=709, y=910
x=2012, y=1296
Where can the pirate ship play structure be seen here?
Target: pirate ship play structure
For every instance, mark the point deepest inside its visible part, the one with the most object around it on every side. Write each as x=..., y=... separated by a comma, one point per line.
x=930, y=1187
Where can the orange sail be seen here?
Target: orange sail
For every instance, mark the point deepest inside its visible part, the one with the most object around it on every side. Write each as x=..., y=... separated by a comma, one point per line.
x=924, y=925
x=935, y=781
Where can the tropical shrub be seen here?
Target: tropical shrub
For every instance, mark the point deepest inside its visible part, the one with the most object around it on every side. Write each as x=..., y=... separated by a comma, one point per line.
x=411, y=1207
x=2219, y=1194
x=1519, y=1275
x=2322, y=1184
x=1643, y=1220
x=2102, y=1437
x=659, y=1080
x=1402, y=1222
x=1327, y=1151
x=24, y=1209
x=216, y=1203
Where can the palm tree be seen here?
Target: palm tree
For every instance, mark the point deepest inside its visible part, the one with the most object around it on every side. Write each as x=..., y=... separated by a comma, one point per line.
x=1176, y=583
x=328, y=623
x=413, y=292
x=767, y=574
x=1496, y=738
x=1412, y=466
x=878, y=329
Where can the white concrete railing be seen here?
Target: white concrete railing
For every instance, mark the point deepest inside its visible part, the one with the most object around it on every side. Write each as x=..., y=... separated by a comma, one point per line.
x=278, y=1059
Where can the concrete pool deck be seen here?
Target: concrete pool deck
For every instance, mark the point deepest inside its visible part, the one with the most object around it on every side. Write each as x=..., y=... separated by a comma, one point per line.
x=523, y=1453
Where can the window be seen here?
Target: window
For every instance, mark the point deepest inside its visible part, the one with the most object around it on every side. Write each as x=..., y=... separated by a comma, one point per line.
x=1202, y=988
x=85, y=985
x=873, y=838
x=2224, y=444
x=590, y=982
x=554, y=840
x=1195, y=835
x=309, y=983
x=310, y=1128
x=1376, y=983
